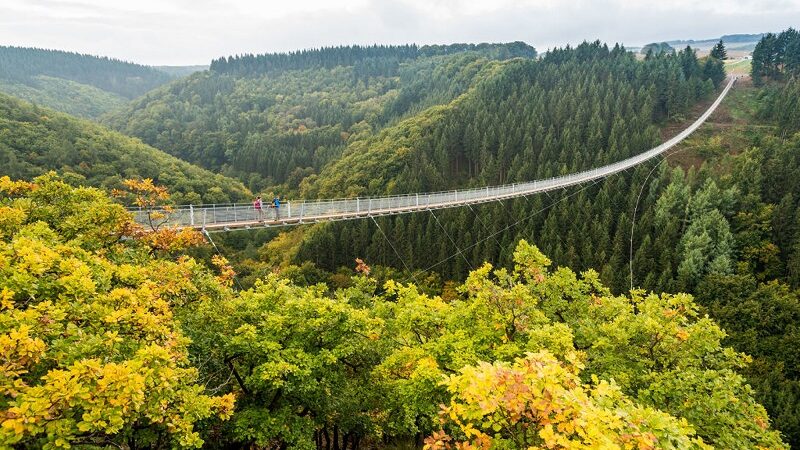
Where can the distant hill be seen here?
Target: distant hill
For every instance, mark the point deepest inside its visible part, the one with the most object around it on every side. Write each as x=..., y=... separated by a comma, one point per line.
x=657, y=48
x=745, y=42
x=278, y=118
x=82, y=85
x=374, y=59
x=739, y=38
x=181, y=71
x=67, y=96
x=34, y=140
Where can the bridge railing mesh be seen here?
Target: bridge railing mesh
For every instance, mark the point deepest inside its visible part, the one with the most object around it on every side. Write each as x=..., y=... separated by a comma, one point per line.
x=293, y=212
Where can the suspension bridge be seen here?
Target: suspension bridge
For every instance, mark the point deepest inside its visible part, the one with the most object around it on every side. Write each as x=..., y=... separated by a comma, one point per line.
x=225, y=217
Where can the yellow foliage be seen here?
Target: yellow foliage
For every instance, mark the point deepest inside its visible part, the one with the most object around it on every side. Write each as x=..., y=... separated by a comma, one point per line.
x=11, y=188
x=226, y=273
x=10, y=220
x=172, y=239
x=89, y=346
x=539, y=402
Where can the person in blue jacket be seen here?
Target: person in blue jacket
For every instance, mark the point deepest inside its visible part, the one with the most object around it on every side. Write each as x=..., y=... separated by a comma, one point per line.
x=276, y=203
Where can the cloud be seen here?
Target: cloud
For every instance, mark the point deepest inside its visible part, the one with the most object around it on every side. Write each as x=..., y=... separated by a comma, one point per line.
x=195, y=31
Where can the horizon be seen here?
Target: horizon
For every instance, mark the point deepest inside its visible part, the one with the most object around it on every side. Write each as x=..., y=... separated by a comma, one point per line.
x=187, y=33
x=538, y=50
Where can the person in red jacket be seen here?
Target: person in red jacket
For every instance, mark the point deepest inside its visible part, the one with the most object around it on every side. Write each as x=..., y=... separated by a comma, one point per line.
x=257, y=206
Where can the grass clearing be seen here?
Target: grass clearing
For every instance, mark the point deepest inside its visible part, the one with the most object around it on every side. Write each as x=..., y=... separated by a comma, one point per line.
x=730, y=130
x=738, y=66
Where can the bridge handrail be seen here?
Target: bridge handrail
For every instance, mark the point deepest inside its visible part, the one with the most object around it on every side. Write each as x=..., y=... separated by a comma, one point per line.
x=327, y=209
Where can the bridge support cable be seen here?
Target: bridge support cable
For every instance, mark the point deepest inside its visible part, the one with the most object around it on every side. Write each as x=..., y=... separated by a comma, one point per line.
x=636, y=207
x=213, y=244
x=226, y=217
x=458, y=250
x=395, y=250
x=539, y=211
x=483, y=224
x=633, y=217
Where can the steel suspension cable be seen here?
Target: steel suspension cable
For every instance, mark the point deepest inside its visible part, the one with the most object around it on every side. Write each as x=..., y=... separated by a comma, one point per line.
x=458, y=250
x=433, y=266
x=394, y=249
x=235, y=278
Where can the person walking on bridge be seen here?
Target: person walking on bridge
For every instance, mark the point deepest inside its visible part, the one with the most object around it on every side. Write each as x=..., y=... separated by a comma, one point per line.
x=257, y=206
x=276, y=203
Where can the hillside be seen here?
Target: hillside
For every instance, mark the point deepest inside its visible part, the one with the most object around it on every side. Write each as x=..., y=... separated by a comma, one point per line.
x=273, y=119
x=439, y=122
x=35, y=140
x=524, y=120
x=734, y=42
x=181, y=71
x=67, y=96
x=82, y=85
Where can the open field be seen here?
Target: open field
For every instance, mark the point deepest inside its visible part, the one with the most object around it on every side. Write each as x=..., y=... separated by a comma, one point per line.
x=738, y=66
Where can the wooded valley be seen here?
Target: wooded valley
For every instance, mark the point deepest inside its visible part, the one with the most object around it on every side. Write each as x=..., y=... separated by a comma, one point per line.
x=656, y=308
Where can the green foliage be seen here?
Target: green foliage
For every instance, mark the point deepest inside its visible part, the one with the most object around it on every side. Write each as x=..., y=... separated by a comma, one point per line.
x=657, y=48
x=270, y=125
x=777, y=57
x=104, y=344
x=24, y=65
x=34, y=141
x=761, y=319
x=781, y=104
x=64, y=95
x=299, y=354
x=714, y=70
x=719, y=52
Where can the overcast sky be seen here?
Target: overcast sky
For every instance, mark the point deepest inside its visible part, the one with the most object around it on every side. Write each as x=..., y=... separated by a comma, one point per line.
x=182, y=32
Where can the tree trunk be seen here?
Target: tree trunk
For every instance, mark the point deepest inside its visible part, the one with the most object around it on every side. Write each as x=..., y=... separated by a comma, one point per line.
x=336, y=437
x=345, y=438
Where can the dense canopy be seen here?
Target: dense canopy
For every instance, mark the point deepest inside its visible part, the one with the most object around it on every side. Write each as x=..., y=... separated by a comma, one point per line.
x=106, y=341
x=36, y=140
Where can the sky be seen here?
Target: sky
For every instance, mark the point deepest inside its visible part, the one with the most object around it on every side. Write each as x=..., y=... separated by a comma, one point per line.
x=188, y=32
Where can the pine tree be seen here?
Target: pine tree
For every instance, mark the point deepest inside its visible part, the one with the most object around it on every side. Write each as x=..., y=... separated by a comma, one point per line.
x=719, y=51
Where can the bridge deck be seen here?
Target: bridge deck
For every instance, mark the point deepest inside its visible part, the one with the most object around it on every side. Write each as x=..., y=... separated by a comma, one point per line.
x=233, y=216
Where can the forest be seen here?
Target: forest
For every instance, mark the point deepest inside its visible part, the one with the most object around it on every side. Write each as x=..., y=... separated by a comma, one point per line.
x=82, y=85
x=777, y=56
x=111, y=342
x=36, y=140
x=112, y=75
x=305, y=116
x=655, y=309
